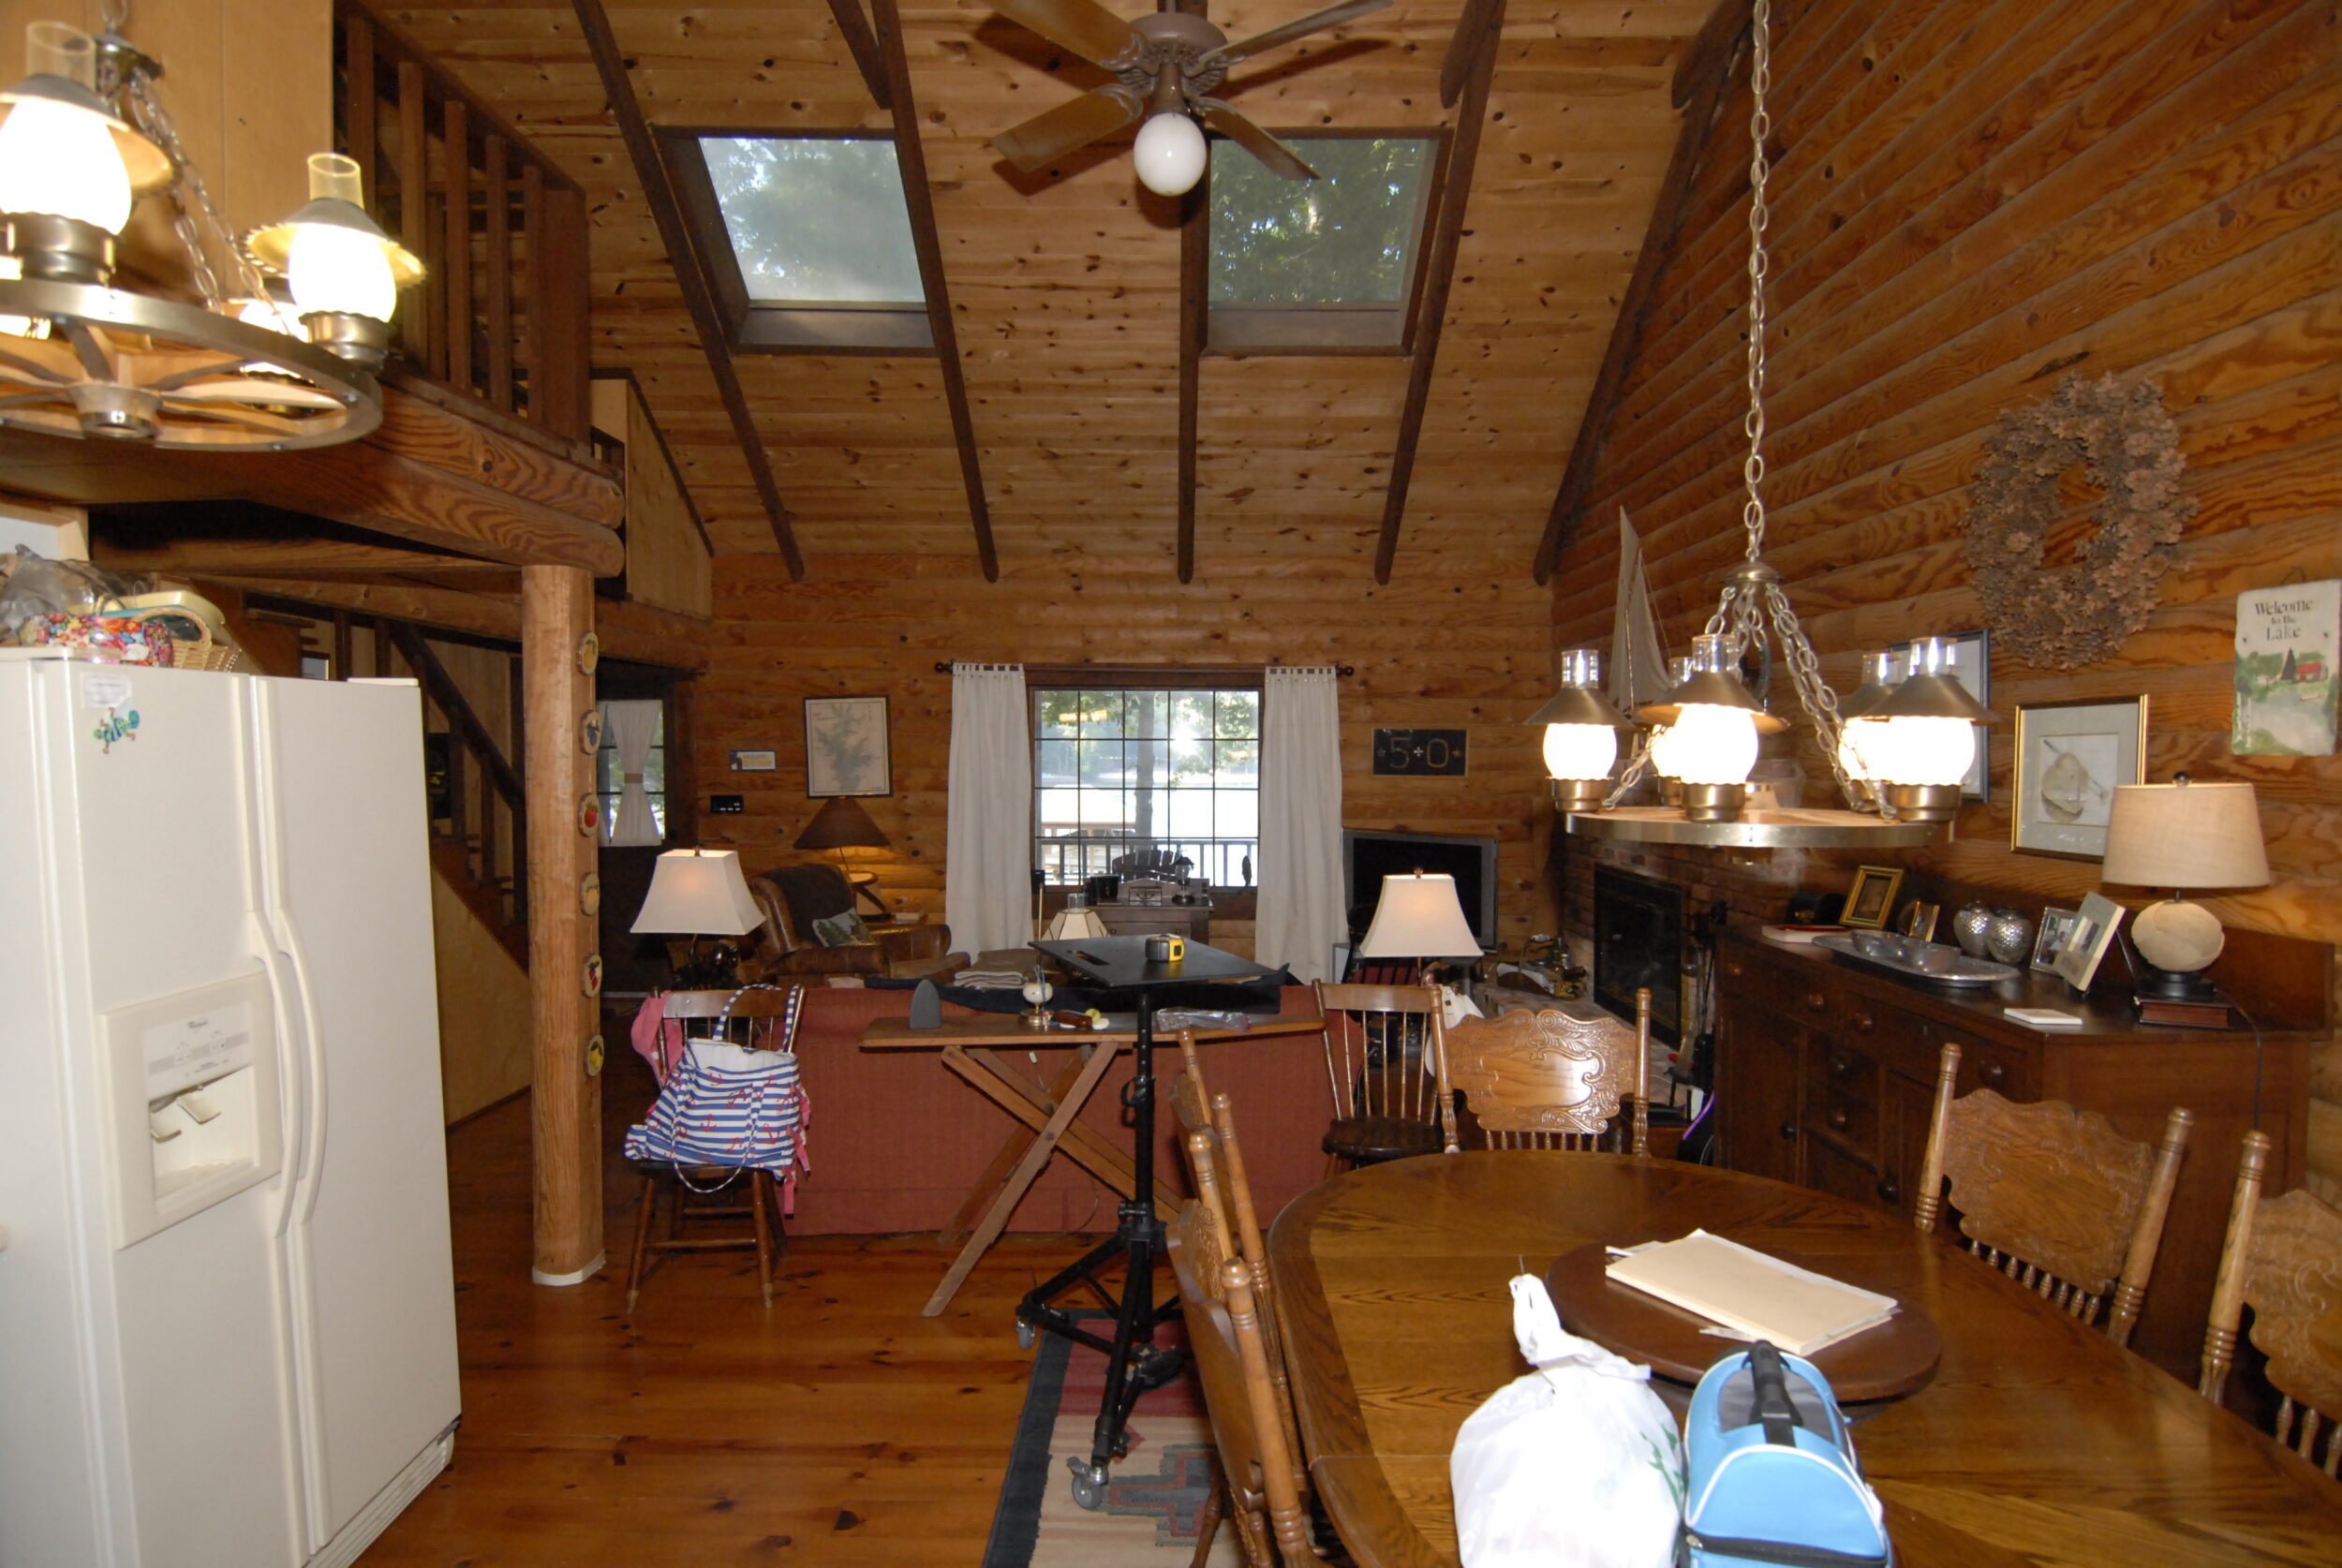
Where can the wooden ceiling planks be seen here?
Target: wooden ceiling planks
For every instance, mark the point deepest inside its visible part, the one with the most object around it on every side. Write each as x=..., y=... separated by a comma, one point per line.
x=1065, y=288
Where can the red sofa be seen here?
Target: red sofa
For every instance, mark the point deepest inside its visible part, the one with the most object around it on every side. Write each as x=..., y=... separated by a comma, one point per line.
x=896, y=1139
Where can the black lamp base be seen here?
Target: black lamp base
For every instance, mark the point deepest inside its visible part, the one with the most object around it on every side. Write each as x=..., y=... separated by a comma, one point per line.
x=709, y=968
x=2159, y=984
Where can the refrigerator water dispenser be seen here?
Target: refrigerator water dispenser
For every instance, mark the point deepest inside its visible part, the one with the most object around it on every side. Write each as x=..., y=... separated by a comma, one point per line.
x=192, y=1090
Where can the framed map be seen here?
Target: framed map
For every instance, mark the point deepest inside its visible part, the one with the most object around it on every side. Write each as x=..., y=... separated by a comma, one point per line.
x=845, y=747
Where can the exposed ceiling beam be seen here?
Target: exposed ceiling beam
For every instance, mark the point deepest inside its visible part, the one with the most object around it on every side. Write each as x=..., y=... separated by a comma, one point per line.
x=920, y=197
x=855, y=29
x=1708, y=63
x=300, y=558
x=1486, y=25
x=1194, y=321
x=1456, y=69
x=715, y=337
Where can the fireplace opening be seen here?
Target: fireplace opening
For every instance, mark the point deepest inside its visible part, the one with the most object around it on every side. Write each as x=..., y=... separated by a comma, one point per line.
x=1638, y=941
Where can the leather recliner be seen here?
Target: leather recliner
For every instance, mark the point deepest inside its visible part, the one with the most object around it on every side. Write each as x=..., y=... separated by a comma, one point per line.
x=793, y=897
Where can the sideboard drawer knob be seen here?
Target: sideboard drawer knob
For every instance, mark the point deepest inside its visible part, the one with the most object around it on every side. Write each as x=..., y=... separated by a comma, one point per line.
x=1995, y=1074
x=1815, y=1001
x=1865, y=1023
x=1788, y=1129
x=1838, y=1118
x=1891, y=1190
x=1733, y=969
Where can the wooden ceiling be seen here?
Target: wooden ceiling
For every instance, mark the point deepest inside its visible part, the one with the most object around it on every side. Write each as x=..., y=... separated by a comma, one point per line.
x=1065, y=288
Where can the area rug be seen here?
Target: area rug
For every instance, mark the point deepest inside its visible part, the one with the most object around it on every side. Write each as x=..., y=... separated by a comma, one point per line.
x=1154, y=1496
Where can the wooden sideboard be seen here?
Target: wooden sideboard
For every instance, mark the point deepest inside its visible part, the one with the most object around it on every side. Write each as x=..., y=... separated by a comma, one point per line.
x=1826, y=1074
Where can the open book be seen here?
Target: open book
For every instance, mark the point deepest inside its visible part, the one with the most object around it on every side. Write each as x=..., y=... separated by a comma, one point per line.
x=1750, y=1295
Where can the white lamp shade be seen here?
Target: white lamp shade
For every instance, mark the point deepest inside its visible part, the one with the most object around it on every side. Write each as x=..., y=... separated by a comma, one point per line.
x=61, y=159
x=1419, y=916
x=1170, y=154
x=1708, y=744
x=1075, y=925
x=337, y=268
x=1854, y=748
x=2183, y=835
x=1917, y=750
x=699, y=892
x=1580, y=750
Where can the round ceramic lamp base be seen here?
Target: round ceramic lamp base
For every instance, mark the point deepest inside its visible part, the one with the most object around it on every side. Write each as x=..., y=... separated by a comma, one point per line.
x=2180, y=940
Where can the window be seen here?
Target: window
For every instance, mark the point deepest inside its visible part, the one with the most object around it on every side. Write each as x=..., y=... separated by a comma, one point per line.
x=1321, y=263
x=819, y=236
x=622, y=723
x=1121, y=769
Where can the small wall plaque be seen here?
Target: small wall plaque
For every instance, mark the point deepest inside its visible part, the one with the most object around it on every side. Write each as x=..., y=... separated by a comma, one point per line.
x=755, y=762
x=1437, y=753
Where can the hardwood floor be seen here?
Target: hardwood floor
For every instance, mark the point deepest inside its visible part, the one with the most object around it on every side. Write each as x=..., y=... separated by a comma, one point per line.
x=839, y=1428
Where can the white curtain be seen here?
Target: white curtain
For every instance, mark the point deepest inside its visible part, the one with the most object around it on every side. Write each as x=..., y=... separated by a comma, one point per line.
x=987, y=867
x=1301, y=911
x=633, y=729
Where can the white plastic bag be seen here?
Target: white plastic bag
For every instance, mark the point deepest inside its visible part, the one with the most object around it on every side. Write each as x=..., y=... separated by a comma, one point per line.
x=1577, y=1465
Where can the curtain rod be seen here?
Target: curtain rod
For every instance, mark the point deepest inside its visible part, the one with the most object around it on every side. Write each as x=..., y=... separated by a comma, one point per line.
x=945, y=667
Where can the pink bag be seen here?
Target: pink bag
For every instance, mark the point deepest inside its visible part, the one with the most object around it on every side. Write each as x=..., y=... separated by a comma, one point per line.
x=657, y=1039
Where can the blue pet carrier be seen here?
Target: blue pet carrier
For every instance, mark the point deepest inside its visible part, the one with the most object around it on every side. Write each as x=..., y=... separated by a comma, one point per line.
x=1771, y=1477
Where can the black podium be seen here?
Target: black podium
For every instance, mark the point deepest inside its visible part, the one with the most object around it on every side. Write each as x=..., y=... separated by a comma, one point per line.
x=1135, y=1363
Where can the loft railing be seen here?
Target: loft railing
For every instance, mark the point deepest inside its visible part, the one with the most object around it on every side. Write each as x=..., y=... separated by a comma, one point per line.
x=503, y=318
x=1069, y=857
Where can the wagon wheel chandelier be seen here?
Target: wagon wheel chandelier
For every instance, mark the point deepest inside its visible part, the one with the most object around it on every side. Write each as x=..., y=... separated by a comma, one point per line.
x=286, y=363
x=1898, y=755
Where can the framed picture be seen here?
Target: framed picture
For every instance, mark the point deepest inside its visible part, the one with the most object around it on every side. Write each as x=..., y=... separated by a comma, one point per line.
x=1971, y=665
x=845, y=747
x=1874, y=894
x=2070, y=758
x=2055, y=933
x=2093, y=934
x=1919, y=919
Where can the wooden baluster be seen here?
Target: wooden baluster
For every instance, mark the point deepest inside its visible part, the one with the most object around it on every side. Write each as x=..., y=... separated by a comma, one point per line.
x=414, y=180
x=363, y=101
x=455, y=266
x=495, y=183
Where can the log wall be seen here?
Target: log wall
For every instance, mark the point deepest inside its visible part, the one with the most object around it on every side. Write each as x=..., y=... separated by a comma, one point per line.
x=1972, y=198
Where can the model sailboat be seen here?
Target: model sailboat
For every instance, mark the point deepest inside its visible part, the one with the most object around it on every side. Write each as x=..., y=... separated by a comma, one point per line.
x=1638, y=667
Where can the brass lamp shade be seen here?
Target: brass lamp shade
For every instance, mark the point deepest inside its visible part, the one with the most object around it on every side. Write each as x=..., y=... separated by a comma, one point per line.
x=1932, y=697
x=1578, y=704
x=842, y=823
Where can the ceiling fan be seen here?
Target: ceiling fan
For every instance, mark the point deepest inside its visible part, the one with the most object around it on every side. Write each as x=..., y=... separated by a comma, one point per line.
x=1168, y=64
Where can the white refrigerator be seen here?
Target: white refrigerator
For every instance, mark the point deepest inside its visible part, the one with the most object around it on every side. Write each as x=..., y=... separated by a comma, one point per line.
x=226, y=1311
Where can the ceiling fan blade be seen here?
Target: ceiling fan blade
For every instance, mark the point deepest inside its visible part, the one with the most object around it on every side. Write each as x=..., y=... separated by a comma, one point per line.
x=1259, y=43
x=1032, y=145
x=1083, y=26
x=1237, y=128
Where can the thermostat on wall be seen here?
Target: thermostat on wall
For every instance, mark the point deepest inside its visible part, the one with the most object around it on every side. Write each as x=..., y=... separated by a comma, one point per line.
x=727, y=806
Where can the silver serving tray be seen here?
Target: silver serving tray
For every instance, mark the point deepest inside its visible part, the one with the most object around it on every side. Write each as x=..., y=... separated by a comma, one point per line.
x=1899, y=955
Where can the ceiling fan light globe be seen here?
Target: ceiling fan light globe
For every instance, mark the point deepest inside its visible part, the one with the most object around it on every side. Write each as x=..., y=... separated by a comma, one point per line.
x=1170, y=154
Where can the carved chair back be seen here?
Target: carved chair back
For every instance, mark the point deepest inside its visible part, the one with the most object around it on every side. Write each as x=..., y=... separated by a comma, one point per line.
x=1264, y=1486
x=2051, y=1196
x=1551, y=1079
x=1387, y=1059
x=2282, y=1258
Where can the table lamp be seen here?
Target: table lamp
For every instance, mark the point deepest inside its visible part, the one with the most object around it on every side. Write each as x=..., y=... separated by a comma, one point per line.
x=2181, y=835
x=1075, y=923
x=699, y=893
x=842, y=824
x=1418, y=916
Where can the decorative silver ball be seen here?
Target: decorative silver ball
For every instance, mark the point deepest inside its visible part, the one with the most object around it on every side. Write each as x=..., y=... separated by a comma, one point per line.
x=2010, y=937
x=1969, y=927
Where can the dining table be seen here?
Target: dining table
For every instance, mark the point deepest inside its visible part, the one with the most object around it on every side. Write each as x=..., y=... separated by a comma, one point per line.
x=2033, y=1439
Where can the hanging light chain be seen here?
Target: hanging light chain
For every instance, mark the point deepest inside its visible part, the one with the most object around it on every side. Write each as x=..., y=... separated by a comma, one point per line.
x=193, y=201
x=1759, y=132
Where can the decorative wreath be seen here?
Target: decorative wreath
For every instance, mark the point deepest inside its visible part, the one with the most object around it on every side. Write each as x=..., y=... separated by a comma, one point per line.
x=2058, y=618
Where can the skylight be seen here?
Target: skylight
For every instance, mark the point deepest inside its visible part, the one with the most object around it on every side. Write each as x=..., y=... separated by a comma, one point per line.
x=1329, y=261
x=820, y=237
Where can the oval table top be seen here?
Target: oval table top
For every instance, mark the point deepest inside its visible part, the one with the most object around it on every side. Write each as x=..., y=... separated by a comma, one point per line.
x=2037, y=1442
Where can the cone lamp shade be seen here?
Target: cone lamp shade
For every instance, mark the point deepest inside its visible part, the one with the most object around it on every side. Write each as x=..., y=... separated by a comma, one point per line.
x=698, y=892
x=2181, y=835
x=1419, y=916
x=842, y=824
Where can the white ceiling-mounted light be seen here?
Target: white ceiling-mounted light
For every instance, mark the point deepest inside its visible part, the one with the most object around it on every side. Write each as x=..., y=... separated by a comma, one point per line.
x=1580, y=742
x=82, y=139
x=1710, y=723
x=1170, y=152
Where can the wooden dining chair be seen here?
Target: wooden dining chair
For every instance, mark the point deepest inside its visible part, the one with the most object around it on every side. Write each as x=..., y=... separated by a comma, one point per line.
x=2282, y=1258
x=1264, y=1484
x=1385, y=1056
x=1216, y=1160
x=766, y=1019
x=2051, y=1196
x=1552, y=1080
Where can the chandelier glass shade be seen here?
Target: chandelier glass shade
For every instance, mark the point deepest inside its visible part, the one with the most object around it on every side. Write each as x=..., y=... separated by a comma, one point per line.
x=1581, y=728
x=1897, y=774
x=198, y=367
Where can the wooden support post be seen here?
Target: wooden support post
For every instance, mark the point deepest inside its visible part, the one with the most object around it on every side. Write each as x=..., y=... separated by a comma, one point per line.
x=565, y=1010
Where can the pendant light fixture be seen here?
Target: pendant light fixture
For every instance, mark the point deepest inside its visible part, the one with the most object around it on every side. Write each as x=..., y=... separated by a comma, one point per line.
x=1582, y=730
x=83, y=139
x=1705, y=733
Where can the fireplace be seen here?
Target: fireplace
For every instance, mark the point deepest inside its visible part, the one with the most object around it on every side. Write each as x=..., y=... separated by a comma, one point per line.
x=1638, y=941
